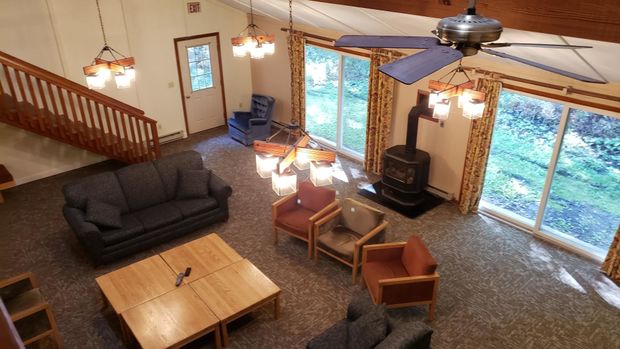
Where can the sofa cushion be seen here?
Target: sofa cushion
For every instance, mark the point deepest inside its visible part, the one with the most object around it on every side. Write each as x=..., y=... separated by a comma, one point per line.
x=417, y=259
x=296, y=220
x=142, y=185
x=334, y=337
x=375, y=271
x=103, y=215
x=169, y=166
x=314, y=198
x=339, y=241
x=131, y=227
x=369, y=329
x=193, y=207
x=359, y=217
x=193, y=184
x=158, y=216
x=102, y=187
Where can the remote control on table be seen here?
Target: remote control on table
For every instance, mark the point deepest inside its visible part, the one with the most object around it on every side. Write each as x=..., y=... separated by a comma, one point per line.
x=180, y=277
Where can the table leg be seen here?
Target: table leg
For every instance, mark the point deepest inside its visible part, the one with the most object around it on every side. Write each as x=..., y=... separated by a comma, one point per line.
x=218, y=338
x=224, y=334
x=125, y=332
x=276, y=307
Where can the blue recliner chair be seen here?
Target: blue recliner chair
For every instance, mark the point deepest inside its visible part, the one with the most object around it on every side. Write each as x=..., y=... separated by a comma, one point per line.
x=245, y=127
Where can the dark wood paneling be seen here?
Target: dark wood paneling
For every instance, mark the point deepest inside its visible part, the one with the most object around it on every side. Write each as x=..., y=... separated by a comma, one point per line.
x=595, y=19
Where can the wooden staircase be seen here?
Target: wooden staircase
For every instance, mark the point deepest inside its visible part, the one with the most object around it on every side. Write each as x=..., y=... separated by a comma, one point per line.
x=50, y=105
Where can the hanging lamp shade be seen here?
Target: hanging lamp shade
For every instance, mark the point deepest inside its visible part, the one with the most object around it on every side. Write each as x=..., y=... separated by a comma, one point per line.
x=321, y=173
x=284, y=183
x=253, y=40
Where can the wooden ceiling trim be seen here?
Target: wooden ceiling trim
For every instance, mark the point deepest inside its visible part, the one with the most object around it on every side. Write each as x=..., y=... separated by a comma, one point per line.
x=594, y=19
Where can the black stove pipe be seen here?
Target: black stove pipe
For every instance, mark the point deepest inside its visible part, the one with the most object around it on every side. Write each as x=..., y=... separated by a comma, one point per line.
x=412, y=123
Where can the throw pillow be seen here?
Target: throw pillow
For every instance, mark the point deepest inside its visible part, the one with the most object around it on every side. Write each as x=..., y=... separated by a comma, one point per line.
x=103, y=215
x=193, y=184
x=369, y=329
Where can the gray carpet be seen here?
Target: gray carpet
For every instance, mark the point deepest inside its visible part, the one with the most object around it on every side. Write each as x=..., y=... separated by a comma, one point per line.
x=499, y=288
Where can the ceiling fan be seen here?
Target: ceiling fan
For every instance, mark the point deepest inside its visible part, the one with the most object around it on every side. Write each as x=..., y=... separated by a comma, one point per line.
x=455, y=37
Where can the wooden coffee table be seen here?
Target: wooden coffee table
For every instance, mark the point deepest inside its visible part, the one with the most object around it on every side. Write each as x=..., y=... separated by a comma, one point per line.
x=205, y=255
x=172, y=320
x=236, y=290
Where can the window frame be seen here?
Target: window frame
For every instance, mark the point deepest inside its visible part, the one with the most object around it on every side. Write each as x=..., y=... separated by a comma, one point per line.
x=189, y=62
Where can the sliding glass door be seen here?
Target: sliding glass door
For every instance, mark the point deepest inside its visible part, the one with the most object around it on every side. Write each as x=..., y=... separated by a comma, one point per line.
x=337, y=99
x=554, y=169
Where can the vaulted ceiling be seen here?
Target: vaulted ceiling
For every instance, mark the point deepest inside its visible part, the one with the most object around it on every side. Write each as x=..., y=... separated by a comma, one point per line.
x=599, y=62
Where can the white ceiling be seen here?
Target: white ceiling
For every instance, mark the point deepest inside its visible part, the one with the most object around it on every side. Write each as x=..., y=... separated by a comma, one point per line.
x=599, y=62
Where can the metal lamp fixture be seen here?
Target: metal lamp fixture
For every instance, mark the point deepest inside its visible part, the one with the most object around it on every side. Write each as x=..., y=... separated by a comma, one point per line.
x=101, y=70
x=471, y=101
x=256, y=42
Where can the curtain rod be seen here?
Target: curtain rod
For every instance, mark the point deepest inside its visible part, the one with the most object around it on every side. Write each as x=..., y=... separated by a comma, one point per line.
x=566, y=89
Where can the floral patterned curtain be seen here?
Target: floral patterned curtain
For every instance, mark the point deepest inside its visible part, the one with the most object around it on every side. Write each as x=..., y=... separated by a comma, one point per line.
x=380, y=96
x=611, y=267
x=478, y=148
x=296, y=54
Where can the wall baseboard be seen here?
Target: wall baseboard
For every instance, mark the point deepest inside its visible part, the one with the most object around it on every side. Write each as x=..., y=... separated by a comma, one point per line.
x=55, y=171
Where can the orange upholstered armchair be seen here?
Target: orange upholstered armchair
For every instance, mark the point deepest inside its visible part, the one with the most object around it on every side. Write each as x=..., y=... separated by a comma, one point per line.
x=401, y=274
x=296, y=213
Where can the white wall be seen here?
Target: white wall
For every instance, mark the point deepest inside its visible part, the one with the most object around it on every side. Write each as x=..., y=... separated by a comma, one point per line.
x=64, y=35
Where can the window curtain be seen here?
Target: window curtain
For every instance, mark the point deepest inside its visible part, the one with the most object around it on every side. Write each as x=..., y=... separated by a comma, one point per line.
x=478, y=147
x=611, y=267
x=296, y=54
x=380, y=96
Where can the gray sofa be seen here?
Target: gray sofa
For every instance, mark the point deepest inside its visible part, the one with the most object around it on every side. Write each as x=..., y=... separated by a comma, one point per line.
x=150, y=211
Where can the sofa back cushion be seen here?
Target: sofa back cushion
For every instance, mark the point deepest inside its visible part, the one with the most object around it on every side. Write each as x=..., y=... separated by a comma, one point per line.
x=417, y=259
x=168, y=168
x=314, y=198
x=142, y=185
x=359, y=217
x=103, y=187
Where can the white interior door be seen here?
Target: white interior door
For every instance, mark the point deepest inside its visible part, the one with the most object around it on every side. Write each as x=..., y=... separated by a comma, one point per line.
x=201, y=79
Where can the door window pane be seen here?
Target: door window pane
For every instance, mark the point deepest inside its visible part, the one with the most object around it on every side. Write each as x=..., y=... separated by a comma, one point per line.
x=584, y=201
x=199, y=61
x=354, y=103
x=322, y=68
x=521, y=148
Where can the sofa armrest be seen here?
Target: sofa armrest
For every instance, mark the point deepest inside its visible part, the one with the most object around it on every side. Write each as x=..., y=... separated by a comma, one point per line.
x=88, y=233
x=415, y=335
x=220, y=190
x=242, y=115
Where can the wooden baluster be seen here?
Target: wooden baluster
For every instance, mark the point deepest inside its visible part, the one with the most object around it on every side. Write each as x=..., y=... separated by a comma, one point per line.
x=134, y=142
x=67, y=123
x=46, y=110
x=22, y=92
x=102, y=127
x=139, y=125
x=2, y=104
x=113, y=136
x=94, y=128
x=35, y=103
x=148, y=138
x=124, y=138
x=156, y=148
x=76, y=121
x=84, y=124
x=110, y=135
x=57, y=116
x=11, y=84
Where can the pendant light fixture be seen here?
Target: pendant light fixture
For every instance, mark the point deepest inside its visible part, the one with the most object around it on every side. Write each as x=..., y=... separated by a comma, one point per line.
x=256, y=42
x=100, y=70
x=471, y=101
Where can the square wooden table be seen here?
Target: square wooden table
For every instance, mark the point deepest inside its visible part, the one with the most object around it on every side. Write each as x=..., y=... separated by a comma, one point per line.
x=137, y=283
x=205, y=255
x=236, y=290
x=171, y=320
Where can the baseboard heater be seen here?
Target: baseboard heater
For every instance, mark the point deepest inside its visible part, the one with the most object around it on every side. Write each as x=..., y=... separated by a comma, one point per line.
x=442, y=194
x=170, y=137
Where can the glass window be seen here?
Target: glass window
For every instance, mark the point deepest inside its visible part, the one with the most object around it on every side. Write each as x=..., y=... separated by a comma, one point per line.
x=199, y=61
x=337, y=99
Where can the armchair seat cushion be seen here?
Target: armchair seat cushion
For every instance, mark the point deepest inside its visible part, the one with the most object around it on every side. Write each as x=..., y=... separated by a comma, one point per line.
x=194, y=207
x=339, y=241
x=243, y=125
x=375, y=271
x=131, y=227
x=296, y=221
x=158, y=216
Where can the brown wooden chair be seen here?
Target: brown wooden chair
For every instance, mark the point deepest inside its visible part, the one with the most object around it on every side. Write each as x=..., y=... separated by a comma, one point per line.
x=401, y=274
x=296, y=213
x=342, y=233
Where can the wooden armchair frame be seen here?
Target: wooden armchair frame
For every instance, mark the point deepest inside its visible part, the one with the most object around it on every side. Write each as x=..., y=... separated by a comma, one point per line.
x=355, y=264
x=291, y=200
x=369, y=251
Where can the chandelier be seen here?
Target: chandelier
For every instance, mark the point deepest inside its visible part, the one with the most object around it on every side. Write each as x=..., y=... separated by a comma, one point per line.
x=275, y=159
x=470, y=100
x=256, y=42
x=101, y=70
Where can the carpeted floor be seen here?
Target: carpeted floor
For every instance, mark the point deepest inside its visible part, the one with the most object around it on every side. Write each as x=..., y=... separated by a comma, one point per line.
x=500, y=288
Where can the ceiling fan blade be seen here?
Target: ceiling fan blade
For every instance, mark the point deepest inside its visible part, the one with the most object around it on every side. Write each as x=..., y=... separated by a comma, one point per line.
x=544, y=67
x=413, y=68
x=386, y=41
x=529, y=44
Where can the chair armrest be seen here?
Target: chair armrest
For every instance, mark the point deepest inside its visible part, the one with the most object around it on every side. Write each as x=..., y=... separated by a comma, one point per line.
x=258, y=122
x=328, y=218
x=409, y=279
x=283, y=204
x=220, y=190
x=242, y=115
x=382, y=252
x=21, y=277
x=325, y=210
x=381, y=227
